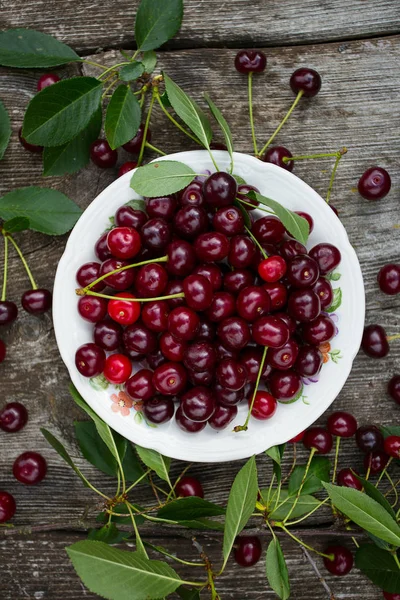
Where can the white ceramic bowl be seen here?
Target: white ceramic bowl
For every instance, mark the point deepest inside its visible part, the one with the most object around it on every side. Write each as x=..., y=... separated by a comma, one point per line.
x=290, y=419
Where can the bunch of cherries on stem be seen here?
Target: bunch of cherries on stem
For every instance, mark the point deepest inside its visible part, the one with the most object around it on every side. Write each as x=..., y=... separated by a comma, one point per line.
x=217, y=308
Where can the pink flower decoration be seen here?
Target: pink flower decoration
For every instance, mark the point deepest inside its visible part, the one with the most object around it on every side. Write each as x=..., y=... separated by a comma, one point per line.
x=121, y=403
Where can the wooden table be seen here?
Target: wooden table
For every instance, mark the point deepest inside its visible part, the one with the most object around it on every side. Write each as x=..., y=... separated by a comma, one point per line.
x=355, y=46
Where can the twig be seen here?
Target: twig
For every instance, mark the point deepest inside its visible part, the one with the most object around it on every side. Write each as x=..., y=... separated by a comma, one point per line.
x=317, y=572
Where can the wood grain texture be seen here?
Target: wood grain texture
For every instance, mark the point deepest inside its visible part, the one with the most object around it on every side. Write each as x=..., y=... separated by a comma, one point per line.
x=90, y=25
x=352, y=109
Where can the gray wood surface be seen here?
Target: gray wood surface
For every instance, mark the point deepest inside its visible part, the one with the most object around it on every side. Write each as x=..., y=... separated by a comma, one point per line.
x=356, y=107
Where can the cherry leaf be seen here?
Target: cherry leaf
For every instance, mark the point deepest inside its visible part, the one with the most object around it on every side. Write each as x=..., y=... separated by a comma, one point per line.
x=161, y=178
x=276, y=569
x=27, y=48
x=5, y=129
x=157, y=21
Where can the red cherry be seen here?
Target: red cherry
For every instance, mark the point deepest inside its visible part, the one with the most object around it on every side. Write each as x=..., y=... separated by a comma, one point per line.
x=247, y=550
x=347, y=478
x=102, y=155
x=3, y=351
x=264, y=406
x=126, y=167
x=122, y=312
x=124, y=242
x=46, y=80
x=318, y=438
x=375, y=462
x=392, y=446
x=297, y=438
x=7, y=506
x=117, y=368
x=342, y=560
x=13, y=417
x=30, y=468
x=189, y=486
x=272, y=269
x=342, y=424
x=389, y=596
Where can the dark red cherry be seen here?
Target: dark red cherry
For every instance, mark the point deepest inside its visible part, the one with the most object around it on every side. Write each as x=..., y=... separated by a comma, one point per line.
x=151, y=280
x=139, y=339
x=126, y=167
x=156, y=234
x=389, y=596
x=342, y=424
x=3, y=351
x=392, y=446
x=198, y=292
x=102, y=155
x=278, y=295
x=227, y=397
x=374, y=341
x=7, y=506
x=183, y=323
x=206, y=332
x=283, y=358
x=13, y=417
x=88, y=273
x=198, y=404
x=101, y=248
x=155, y=315
x=309, y=361
x=291, y=248
x=200, y=356
x=228, y=220
x=222, y=416
x=30, y=147
x=253, y=302
x=90, y=360
x=163, y=207
x=318, y=438
x=189, y=486
x=220, y=189
x=36, y=302
x=118, y=281
x=172, y=348
x=268, y=230
x=234, y=333
x=140, y=385
x=389, y=279
x=211, y=272
x=107, y=335
x=308, y=218
x=159, y=409
x=92, y=308
x=305, y=80
x=181, y=258
x=46, y=80
x=375, y=462
x=174, y=286
x=170, y=379
x=134, y=145
x=374, y=184
x=8, y=312
x=242, y=194
x=30, y=468
x=190, y=221
x=211, y=247
x=347, y=478
x=324, y=291
x=394, y=388
x=250, y=61
x=321, y=330
x=342, y=560
x=302, y=272
x=327, y=257
x=284, y=385
x=296, y=438
x=291, y=323
x=192, y=195
x=236, y=280
x=270, y=331
x=369, y=438
x=201, y=377
x=127, y=216
x=304, y=305
x=250, y=359
x=264, y=406
x=155, y=359
x=275, y=156
x=231, y=374
x=242, y=252
x=247, y=550
x=187, y=424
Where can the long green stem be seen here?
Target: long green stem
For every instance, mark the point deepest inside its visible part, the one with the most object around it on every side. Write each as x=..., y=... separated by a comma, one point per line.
x=137, y=481
x=146, y=127
x=179, y=560
x=94, y=64
x=178, y=125
x=396, y=497
x=296, y=539
x=308, y=514
x=270, y=212
x=257, y=243
x=384, y=471
x=112, y=68
x=107, y=297
x=139, y=544
x=5, y=271
x=118, y=484
x=277, y=130
x=108, y=88
x=286, y=159
x=396, y=558
x=155, y=149
x=253, y=133
x=260, y=370
x=172, y=491
x=27, y=269
x=391, y=338
x=312, y=452
x=335, y=464
x=120, y=269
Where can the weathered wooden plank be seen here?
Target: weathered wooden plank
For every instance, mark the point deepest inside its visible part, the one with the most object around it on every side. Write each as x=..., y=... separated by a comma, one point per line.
x=207, y=23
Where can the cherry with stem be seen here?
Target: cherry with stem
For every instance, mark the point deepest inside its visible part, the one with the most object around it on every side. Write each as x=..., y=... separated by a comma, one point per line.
x=244, y=427
x=286, y=117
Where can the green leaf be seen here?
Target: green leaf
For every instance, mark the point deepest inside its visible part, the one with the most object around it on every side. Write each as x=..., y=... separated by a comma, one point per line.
x=16, y=224
x=165, y=100
x=380, y=567
x=60, y=449
x=203, y=524
x=188, y=110
x=59, y=112
x=365, y=512
x=94, y=449
x=376, y=495
x=336, y=302
x=5, y=129
x=26, y=48
x=157, y=21
x=132, y=71
x=304, y=505
x=161, y=178
x=297, y=226
x=333, y=276
x=276, y=453
x=137, y=205
x=109, y=534
x=219, y=117
x=241, y=503
x=319, y=471
x=131, y=464
x=380, y=543
x=188, y=594
x=120, y=575
x=122, y=117
x=155, y=461
x=48, y=211
x=245, y=213
x=239, y=179
x=149, y=61
x=277, y=572
x=190, y=508
x=390, y=430
x=75, y=154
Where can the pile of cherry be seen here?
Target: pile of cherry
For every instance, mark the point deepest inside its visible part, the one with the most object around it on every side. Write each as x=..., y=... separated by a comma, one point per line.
x=203, y=309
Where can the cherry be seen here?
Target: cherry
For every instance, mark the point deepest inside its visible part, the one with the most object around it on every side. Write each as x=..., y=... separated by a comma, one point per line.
x=36, y=302
x=284, y=385
x=283, y=358
x=292, y=248
x=90, y=360
x=155, y=359
x=151, y=280
x=392, y=446
x=342, y=560
x=190, y=221
x=156, y=234
x=247, y=550
x=223, y=305
x=118, y=281
x=278, y=295
x=250, y=359
x=102, y=155
x=297, y=438
x=30, y=468
x=140, y=385
x=155, y=315
x=227, y=397
x=212, y=246
x=187, y=424
x=134, y=145
x=389, y=596
x=302, y=272
x=394, y=388
x=3, y=351
x=250, y=61
x=264, y=406
x=123, y=242
x=272, y=269
x=138, y=338
x=211, y=272
x=308, y=218
x=201, y=377
x=242, y=252
x=307, y=81
x=228, y=220
x=290, y=322
x=163, y=207
x=231, y=374
x=192, y=195
x=126, y=216
x=374, y=184
x=117, y=368
x=13, y=417
x=268, y=230
x=318, y=438
x=198, y=404
x=324, y=291
x=309, y=361
x=200, y=356
x=7, y=506
x=159, y=409
x=170, y=379
x=198, y=292
x=253, y=302
x=389, y=279
x=236, y=280
x=234, y=333
x=374, y=341
x=189, y=486
x=275, y=156
x=8, y=312
x=181, y=258
x=126, y=167
x=321, y=330
x=242, y=194
x=347, y=478
x=30, y=147
x=107, y=335
x=101, y=248
x=326, y=256
x=304, y=305
x=46, y=80
x=375, y=462
x=206, y=331
x=220, y=189
x=270, y=331
x=218, y=146
x=222, y=416
x=342, y=424
x=369, y=438
x=92, y=309
x=183, y=323
x=88, y=273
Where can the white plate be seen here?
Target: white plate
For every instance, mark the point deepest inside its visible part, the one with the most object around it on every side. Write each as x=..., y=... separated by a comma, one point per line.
x=289, y=420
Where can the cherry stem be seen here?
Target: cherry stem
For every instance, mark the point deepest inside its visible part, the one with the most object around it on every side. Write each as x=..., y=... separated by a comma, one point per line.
x=260, y=370
x=332, y=179
x=171, y=118
x=265, y=255
x=308, y=514
x=179, y=560
x=287, y=159
x=112, y=68
x=335, y=464
x=146, y=127
x=394, y=553
x=296, y=539
x=177, y=481
x=90, y=293
x=139, y=544
x=391, y=338
x=384, y=471
x=27, y=269
x=94, y=64
x=108, y=88
x=253, y=133
x=137, y=481
x=270, y=212
x=277, y=130
x=312, y=452
x=155, y=149
x=393, y=488
x=119, y=270
x=4, y=292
